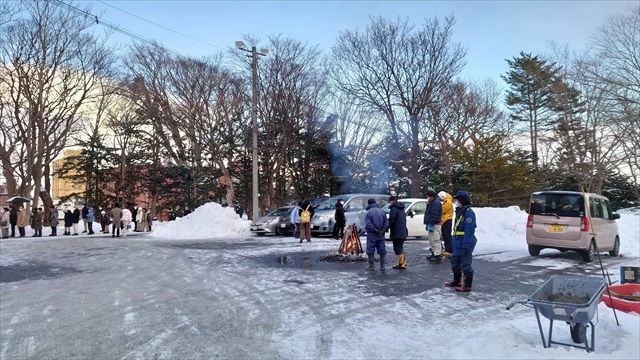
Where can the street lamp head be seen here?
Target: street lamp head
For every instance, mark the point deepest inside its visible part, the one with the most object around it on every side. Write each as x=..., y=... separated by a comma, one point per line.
x=264, y=51
x=239, y=44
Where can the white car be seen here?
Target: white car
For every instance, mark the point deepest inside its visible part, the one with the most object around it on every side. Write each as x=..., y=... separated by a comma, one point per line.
x=415, y=209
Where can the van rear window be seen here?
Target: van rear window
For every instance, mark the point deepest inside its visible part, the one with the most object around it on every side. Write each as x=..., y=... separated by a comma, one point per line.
x=557, y=204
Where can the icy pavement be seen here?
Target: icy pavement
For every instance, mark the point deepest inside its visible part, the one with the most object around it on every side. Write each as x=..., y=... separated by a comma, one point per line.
x=139, y=298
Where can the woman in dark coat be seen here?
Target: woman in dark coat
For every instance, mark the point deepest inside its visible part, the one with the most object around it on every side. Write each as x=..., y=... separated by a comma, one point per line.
x=68, y=222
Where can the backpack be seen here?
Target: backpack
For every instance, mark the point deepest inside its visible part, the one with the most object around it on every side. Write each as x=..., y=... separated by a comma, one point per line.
x=305, y=217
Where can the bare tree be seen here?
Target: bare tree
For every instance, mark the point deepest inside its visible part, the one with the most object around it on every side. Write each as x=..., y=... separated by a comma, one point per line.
x=615, y=70
x=399, y=70
x=51, y=67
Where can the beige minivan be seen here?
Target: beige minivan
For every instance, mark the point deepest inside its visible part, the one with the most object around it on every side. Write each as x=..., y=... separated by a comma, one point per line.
x=560, y=220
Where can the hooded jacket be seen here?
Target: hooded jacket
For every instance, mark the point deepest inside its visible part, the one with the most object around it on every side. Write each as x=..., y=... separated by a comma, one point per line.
x=90, y=215
x=376, y=220
x=397, y=221
x=447, y=208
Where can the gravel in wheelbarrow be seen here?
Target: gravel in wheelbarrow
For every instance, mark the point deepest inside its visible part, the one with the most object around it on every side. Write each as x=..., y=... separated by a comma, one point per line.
x=573, y=299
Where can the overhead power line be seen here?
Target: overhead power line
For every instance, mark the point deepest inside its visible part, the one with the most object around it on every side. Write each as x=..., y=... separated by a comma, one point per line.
x=162, y=26
x=115, y=27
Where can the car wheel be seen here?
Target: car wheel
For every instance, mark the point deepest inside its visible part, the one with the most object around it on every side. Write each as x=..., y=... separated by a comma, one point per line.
x=615, y=252
x=590, y=254
x=577, y=335
x=534, y=250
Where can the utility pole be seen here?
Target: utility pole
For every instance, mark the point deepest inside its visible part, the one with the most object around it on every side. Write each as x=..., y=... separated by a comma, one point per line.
x=254, y=119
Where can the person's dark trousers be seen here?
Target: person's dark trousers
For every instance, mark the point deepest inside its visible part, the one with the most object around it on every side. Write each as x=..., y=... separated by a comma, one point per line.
x=135, y=225
x=464, y=263
x=446, y=236
x=90, y=225
x=13, y=230
x=398, y=246
x=21, y=231
x=338, y=230
x=116, y=228
x=54, y=230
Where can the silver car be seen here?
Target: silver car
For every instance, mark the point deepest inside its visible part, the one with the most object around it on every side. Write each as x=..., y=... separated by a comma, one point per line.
x=355, y=206
x=270, y=223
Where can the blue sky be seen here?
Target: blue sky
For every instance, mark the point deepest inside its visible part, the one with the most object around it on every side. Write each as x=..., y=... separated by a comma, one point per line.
x=490, y=30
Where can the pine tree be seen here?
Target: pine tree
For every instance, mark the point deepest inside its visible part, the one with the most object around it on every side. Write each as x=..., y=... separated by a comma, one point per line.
x=530, y=79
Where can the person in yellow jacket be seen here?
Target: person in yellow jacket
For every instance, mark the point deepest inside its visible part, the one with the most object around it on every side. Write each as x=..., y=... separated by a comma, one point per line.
x=447, y=216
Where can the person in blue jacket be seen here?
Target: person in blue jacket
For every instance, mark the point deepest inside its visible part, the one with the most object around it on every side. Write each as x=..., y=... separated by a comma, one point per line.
x=464, y=241
x=90, y=217
x=376, y=225
x=397, y=230
x=433, y=224
x=294, y=217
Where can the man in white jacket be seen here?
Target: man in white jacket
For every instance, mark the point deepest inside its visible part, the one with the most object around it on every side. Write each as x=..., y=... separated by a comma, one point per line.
x=126, y=220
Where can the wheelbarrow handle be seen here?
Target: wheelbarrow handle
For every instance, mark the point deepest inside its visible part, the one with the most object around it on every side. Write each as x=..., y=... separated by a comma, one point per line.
x=517, y=302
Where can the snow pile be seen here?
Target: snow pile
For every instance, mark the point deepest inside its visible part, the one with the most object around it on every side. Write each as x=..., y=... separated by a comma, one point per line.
x=210, y=220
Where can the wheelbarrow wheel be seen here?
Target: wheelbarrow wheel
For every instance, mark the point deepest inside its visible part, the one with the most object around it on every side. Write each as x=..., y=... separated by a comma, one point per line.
x=577, y=335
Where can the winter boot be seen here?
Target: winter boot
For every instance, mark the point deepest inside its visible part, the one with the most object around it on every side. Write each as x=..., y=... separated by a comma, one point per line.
x=382, y=265
x=431, y=256
x=468, y=279
x=372, y=260
x=401, y=262
x=457, y=275
x=436, y=259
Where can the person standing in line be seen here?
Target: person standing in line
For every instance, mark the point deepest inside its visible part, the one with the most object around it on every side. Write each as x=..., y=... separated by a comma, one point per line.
x=134, y=217
x=144, y=220
x=126, y=220
x=85, y=210
x=447, y=216
x=150, y=217
x=6, y=222
x=341, y=220
x=116, y=215
x=75, y=219
x=294, y=217
x=22, y=220
x=464, y=241
x=53, y=219
x=433, y=224
x=104, y=219
x=68, y=221
x=90, y=218
x=398, y=230
x=377, y=225
x=239, y=211
x=13, y=219
x=306, y=213
x=37, y=222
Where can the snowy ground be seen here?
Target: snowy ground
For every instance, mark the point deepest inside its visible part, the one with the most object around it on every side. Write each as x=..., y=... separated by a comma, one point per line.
x=223, y=293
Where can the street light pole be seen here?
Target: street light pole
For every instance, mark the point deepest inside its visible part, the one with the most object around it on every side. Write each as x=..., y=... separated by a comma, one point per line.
x=254, y=119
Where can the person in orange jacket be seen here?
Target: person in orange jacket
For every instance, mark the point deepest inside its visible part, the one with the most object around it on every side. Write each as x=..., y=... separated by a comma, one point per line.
x=447, y=218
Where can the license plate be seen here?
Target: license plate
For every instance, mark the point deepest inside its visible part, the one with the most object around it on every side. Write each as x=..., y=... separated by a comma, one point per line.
x=254, y=228
x=556, y=228
x=283, y=225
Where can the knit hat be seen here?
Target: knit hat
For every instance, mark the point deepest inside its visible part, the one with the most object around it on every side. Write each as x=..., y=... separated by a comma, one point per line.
x=371, y=201
x=442, y=195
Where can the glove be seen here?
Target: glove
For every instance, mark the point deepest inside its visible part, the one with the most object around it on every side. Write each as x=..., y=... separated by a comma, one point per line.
x=465, y=250
x=381, y=232
x=430, y=227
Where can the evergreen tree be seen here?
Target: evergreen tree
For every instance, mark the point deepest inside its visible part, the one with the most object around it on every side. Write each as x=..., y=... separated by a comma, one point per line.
x=493, y=173
x=530, y=80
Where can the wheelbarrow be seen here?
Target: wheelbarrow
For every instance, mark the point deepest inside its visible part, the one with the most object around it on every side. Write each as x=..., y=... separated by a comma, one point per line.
x=573, y=299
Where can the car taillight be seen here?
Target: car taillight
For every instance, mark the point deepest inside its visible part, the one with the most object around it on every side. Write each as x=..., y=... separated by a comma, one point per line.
x=584, y=224
x=530, y=221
